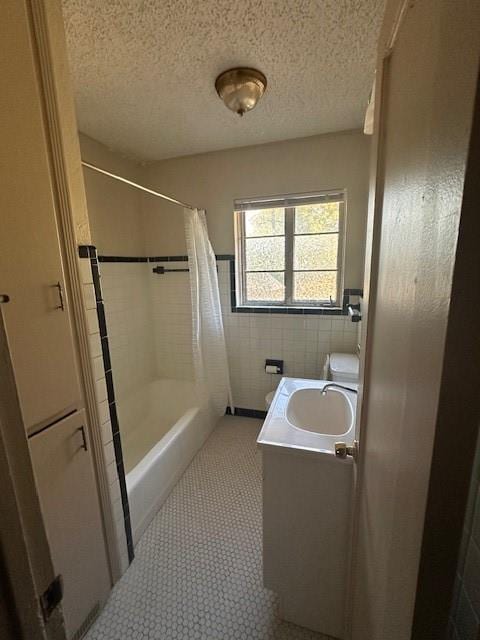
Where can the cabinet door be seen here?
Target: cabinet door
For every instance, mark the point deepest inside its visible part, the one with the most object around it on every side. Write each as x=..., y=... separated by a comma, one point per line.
x=39, y=332
x=68, y=498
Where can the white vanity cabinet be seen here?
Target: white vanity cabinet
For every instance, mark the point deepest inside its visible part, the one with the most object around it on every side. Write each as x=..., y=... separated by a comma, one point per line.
x=306, y=535
x=307, y=501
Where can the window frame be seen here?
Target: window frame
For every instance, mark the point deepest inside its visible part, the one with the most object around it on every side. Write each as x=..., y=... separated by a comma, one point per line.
x=289, y=204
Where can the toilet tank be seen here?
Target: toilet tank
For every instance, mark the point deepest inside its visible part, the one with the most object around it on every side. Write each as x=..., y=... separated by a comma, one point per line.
x=344, y=367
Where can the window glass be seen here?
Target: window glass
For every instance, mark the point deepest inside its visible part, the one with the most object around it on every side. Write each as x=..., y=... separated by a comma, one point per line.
x=289, y=255
x=317, y=218
x=315, y=252
x=264, y=222
x=314, y=285
x=266, y=287
x=265, y=254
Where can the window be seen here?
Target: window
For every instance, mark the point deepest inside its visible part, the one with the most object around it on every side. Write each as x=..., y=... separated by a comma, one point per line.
x=290, y=250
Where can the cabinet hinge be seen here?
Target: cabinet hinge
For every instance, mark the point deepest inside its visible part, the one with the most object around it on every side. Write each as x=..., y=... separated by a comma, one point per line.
x=342, y=450
x=52, y=597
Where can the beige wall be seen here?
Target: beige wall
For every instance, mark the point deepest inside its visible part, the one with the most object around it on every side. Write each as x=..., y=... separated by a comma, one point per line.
x=213, y=181
x=114, y=208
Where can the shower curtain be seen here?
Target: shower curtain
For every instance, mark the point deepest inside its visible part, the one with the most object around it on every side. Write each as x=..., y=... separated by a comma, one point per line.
x=209, y=350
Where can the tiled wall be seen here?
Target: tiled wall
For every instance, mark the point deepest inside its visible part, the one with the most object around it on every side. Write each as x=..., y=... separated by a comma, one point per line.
x=301, y=341
x=149, y=320
x=172, y=321
x=128, y=310
x=101, y=366
x=149, y=323
x=465, y=613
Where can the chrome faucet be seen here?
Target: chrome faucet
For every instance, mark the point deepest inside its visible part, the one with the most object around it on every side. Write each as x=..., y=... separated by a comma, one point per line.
x=338, y=386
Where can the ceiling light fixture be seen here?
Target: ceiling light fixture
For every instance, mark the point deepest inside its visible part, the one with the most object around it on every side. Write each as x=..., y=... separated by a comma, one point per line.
x=241, y=88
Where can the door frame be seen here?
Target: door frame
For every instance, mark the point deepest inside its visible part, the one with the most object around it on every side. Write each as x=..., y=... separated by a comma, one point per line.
x=24, y=548
x=61, y=132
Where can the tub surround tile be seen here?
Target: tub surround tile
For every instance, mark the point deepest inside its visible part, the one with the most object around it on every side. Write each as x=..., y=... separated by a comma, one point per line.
x=114, y=421
x=103, y=412
x=85, y=271
x=92, y=321
x=95, y=345
x=106, y=354
x=97, y=366
x=118, y=447
x=96, y=280
x=107, y=432
x=110, y=389
x=112, y=473
x=105, y=392
x=89, y=296
x=101, y=390
x=101, y=320
x=125, y=259
x=115, y=494
x=109, y=453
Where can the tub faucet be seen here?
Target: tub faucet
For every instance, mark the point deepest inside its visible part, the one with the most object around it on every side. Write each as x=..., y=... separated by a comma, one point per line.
x=338, y=386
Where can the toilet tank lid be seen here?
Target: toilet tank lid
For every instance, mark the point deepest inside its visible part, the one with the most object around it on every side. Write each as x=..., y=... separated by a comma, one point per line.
x=344, y=363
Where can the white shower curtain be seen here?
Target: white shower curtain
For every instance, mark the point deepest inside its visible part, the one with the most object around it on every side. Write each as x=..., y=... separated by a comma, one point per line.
x=209, y=350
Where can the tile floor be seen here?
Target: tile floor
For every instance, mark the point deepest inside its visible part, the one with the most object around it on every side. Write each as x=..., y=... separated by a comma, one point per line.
x=197, y=574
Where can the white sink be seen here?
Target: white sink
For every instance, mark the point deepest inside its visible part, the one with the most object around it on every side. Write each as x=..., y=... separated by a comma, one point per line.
x=329, y=413
x=302, y=417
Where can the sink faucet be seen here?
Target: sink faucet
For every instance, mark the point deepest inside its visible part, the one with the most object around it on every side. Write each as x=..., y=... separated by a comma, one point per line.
x=338, y=386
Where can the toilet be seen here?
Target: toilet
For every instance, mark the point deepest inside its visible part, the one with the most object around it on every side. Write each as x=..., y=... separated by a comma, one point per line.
x=268, y=399
x=344, y=367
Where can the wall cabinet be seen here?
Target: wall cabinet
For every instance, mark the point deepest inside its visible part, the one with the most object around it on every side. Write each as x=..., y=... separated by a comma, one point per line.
x=64, y=474
x=38, y=330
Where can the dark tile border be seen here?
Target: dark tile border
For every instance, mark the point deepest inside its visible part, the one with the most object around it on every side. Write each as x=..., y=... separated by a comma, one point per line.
x=246, y=413
x=122, y=259
x=305, y=311
x=88, y=251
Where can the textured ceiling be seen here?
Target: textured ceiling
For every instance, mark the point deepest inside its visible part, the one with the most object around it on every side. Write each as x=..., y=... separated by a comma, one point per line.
x=144, y=70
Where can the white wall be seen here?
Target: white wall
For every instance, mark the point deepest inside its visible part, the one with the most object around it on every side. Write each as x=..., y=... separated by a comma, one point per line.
x=114, y=209
x=214, y=180
x=128, y=312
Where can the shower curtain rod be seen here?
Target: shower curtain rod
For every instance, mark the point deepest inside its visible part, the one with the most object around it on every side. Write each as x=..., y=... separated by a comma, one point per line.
x=137, y=186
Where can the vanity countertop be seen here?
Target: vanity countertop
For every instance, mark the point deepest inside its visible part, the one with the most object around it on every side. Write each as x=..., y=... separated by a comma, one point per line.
x=278, y=430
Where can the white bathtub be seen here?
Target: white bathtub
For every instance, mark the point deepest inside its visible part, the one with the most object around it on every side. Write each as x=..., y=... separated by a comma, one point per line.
x=162, y=427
